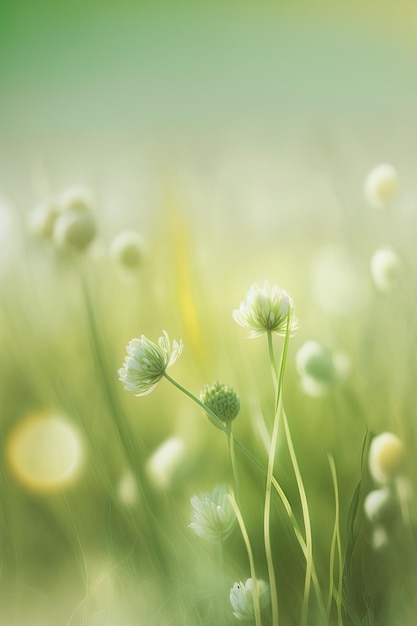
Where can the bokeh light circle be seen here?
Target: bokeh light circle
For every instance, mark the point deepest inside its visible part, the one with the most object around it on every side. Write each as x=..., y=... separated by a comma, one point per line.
x=45, y=452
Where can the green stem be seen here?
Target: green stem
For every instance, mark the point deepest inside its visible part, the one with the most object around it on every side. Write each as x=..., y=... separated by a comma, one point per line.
x=233, y=459
x=260, y=467
x=273, y=369
x=124, y=432
x=306, y=545
x=335, y=542
x=278, y=379
x=217, y=422
x=249, y=551
x=306, y=519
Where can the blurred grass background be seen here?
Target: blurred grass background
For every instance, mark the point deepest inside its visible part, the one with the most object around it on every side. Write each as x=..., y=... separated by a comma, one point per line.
x=235, y=137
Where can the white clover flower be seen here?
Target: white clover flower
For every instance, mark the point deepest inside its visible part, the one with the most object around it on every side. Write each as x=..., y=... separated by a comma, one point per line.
x=381, y=185
x=147, y=362
x=386, y=268
x=386, y=456
x=213, y=514
x=241, y=598
x=266, y=310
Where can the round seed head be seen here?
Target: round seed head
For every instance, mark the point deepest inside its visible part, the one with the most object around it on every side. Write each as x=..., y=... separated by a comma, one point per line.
x=222, y=400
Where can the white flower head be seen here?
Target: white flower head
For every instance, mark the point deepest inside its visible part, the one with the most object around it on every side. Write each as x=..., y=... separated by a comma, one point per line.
x=386, y=269
x=381, y=185
x=213, y=515
x=386, y=456
x=266, y=310
x=241, y=598
x=146, y=363
x=379, y=504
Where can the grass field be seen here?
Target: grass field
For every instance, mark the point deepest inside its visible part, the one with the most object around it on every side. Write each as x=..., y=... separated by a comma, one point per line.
x=258, y=177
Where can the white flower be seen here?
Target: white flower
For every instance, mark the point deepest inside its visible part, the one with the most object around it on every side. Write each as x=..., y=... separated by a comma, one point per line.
x=266, y=310
x=378, y=504
x=128, y=249
x=241, y=598
x=381, y=185
x=386, y=268
x=213, y=514
x=386, y=456
x=146, y=363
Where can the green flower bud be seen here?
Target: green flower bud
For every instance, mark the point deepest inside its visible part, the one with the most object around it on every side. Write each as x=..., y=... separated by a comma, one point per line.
x=222, y=400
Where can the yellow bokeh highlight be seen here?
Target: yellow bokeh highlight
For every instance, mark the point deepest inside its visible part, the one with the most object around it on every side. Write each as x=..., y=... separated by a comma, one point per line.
x=45, y=452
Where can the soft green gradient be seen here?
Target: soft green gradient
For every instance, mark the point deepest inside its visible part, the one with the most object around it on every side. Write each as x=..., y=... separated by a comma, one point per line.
x=124, y=68
x=235, y=137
